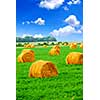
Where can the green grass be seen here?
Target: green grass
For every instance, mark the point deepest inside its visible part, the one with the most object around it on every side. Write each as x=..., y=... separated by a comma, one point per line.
x=67, y=85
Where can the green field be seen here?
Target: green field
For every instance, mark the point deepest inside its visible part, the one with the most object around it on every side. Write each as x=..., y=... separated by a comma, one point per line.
x=68, y=85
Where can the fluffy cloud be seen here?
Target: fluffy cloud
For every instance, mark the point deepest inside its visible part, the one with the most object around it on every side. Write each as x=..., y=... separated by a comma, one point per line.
x=65, y=8
x=74, y=2
x=35, y=36
x=31, y=21
x=69, y=3
x=51, y=4
x=66, y=31
x=40, y=21
x=73, y=27
x=24, y=35
x=72, y=20
x=38, y=36
x=63, y=31
x=28, y=22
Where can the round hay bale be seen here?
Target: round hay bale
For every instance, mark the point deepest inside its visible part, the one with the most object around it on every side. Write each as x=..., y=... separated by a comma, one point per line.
x=53, y=52
x=56, y=47
x=25, y=46
x=32, y=46
x=29, y=46
x=74, y=58
x=81, y=45
x=73, y=45
x=41, y=69
x=26, y=56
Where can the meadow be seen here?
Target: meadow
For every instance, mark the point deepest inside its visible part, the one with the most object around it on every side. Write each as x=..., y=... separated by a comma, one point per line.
x=68, y=85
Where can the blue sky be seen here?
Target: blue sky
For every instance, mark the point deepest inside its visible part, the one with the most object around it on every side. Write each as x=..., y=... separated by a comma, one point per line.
x=62, y=19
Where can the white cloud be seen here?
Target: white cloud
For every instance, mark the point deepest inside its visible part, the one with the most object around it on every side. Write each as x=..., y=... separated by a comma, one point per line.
x=74, y=2
x=69, y=3
x=65, y=8
x=24, y=35
x=73, y=27
x=79, y=31
x=27, y=22
x=40, y=21
x=72, y=20
x=38, y=36
x=51, y=4
x=31, y=21
x=23, y=23
x=64, y=31
x=35, y=36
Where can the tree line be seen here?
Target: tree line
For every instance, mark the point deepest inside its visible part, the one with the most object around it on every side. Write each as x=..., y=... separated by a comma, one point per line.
x=32, y=39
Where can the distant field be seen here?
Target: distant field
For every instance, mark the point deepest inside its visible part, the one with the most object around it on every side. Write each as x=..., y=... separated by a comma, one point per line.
x=66, y=86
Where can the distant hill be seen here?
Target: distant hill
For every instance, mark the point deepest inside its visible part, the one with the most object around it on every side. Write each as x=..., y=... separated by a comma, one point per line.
x=32, y=39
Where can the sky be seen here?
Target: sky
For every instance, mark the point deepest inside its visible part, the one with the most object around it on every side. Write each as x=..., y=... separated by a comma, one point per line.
x=62, y=19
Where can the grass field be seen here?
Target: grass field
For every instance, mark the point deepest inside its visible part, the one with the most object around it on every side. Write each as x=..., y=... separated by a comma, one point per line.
x=68, y=85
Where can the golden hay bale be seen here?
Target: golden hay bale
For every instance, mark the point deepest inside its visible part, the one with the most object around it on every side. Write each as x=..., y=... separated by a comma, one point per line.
x=41, y=69
x=74, y=58
x=53, y=52
x=26, y=56
x=73, y=45
x=81, y=45
x=29, y=46
x=32, y=46
x=56, y=47
x=24, y=45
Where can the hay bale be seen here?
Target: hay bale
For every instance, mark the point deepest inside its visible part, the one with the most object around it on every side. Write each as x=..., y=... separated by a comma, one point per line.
x=29, y=46
x=32, y=46
x=74, y=58
x=25, y=45
x=42, y=69
x=57, y=47
x=73, y=45
x=26, y=56
x=53, y=52
x=81, y=45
